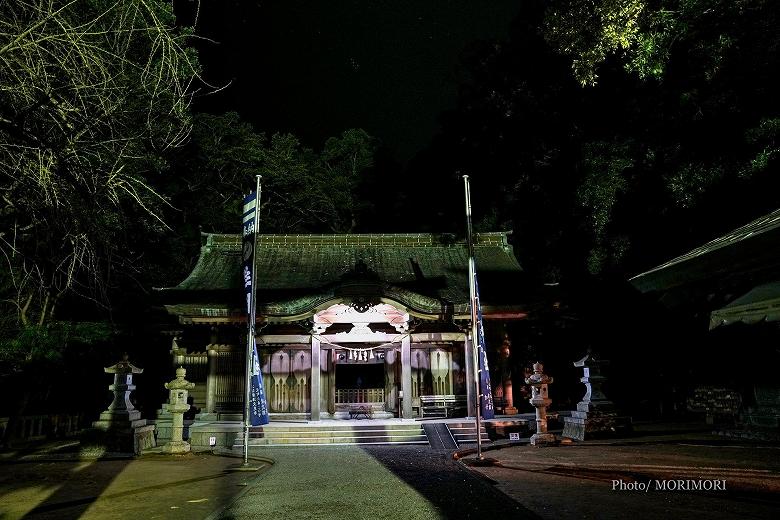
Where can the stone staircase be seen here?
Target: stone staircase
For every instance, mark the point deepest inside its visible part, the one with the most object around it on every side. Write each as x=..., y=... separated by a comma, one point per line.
x=466, y=433
x=335, y=435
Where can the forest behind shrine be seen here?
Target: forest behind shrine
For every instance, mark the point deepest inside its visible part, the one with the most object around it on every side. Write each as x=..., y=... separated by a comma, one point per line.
x=609, y=136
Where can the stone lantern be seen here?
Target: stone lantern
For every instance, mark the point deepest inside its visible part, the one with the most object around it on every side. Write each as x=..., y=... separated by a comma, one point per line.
x=122, y=388
x=595, y=414
x=540, y=400
x=178, y=392
x=121, y=423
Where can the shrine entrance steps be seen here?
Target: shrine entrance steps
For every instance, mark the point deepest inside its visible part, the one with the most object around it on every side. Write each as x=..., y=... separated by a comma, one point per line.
x=362, y=432
x=466, y=433
x=443, y=434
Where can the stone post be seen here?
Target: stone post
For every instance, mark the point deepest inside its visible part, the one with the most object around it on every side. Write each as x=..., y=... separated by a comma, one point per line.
x=121, y=423
x=178, y=390
x=540, y=400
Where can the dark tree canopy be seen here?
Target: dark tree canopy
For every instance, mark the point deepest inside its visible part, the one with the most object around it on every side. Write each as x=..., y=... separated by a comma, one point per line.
x=303, y=190
x=627, y=158
x=92, y=95
x=609, y=135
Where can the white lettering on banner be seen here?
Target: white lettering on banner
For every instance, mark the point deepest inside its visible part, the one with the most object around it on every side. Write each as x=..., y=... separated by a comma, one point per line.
x=249, y=228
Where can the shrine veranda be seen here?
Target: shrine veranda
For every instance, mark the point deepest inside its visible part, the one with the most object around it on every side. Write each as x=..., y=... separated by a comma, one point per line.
x=344, y=321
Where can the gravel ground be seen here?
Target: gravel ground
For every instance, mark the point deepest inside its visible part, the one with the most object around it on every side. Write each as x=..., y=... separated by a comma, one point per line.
x=579, y=481
x=156, y=486
x=370, y=483
x=582, y=497
x=383, y=482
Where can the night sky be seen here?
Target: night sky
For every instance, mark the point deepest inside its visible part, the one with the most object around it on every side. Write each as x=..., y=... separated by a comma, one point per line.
x=316, y=68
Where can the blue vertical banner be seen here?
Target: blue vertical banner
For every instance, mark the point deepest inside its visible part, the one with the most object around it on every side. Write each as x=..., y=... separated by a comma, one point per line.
x=485, y=390
x=258, y=405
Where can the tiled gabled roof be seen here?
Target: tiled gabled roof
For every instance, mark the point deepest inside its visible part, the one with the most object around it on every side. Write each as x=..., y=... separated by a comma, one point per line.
x=426, y=273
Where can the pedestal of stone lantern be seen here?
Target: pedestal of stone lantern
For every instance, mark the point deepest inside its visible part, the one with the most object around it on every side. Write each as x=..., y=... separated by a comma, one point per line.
x=595, y=414
x=121, y=425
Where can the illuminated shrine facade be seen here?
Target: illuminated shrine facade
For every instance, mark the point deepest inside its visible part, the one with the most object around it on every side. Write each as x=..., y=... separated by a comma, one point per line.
x=344, y=321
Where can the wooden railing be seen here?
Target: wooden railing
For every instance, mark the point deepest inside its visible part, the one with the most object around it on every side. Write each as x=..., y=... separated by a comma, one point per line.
x=442, y=405
x=360, y=395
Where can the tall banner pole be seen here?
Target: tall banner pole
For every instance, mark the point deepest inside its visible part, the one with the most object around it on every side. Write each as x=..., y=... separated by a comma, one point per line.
x=249, y=249
x=475, y=336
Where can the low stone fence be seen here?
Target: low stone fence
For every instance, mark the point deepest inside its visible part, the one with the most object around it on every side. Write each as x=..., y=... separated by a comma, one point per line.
x=38, y=427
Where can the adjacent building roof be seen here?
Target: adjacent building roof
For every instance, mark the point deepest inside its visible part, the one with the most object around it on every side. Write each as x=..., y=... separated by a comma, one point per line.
x=753, y=249
x=427, y=274
x=762, y=303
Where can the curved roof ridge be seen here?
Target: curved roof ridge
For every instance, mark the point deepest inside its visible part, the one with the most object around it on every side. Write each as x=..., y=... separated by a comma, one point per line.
x=756, y=227
x=231, y=241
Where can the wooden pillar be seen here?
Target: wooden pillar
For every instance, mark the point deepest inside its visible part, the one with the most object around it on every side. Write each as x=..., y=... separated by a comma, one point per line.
x=332, y=382
x=450, y=388
x=506, y=376
x=211, y=382
x=406, y=377
x=390, y=383
x=315, y=379
x=324, y=380
x=470, y=397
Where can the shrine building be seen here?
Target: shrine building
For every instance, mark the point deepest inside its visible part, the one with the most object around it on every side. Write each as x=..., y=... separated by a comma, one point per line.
x=379, y=321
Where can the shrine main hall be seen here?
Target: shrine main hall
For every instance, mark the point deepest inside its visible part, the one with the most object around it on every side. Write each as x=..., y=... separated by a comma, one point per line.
x=377, y=321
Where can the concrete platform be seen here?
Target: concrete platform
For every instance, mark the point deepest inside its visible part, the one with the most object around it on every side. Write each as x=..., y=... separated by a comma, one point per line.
x=302, y=432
